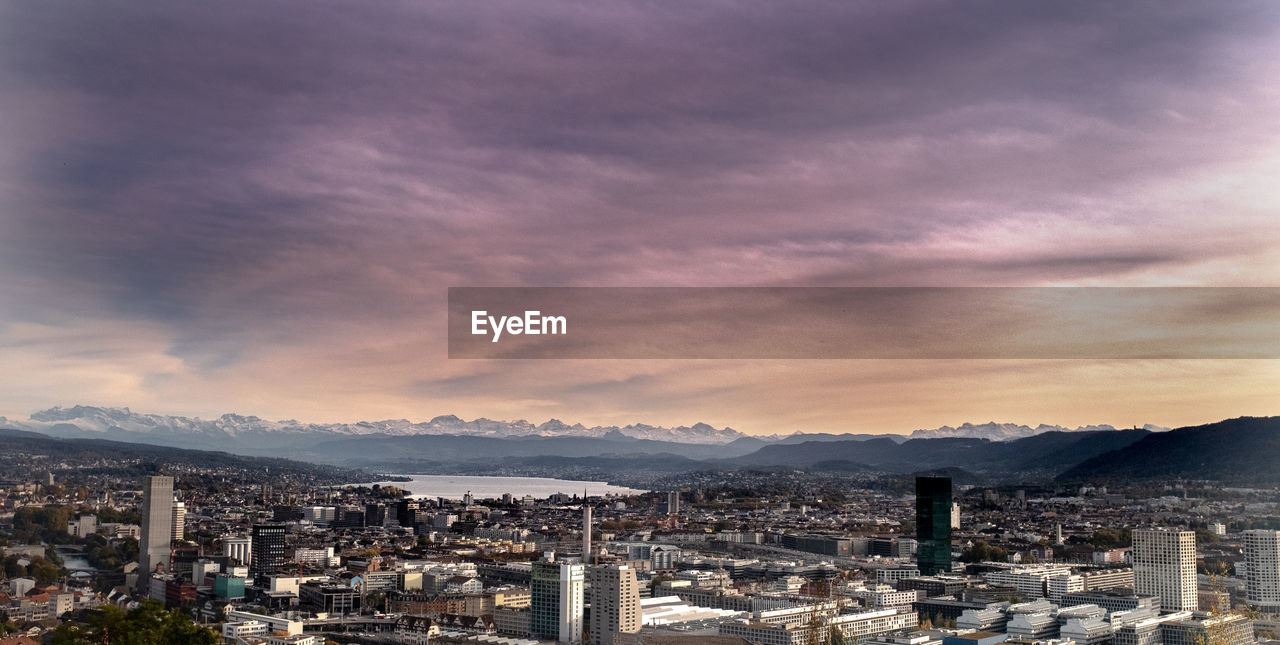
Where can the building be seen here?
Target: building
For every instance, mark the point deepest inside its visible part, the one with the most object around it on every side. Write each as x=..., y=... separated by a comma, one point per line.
x=1146, y=630
x=416, y=630
x=179, y=529
x=1058, y=586
x=1164, y=565
x=157, y=526
x=934, y=585
x=375, y=515
x=805, y=629
x=1112, y=601
x=83, y=526
x=834, y=546
x=228, y=587
x=933, y=525
x=329, y=597
x=238, y=549
x=242, y=629
x=615, y=603
x=266, y=552
x=975, y=638
x=1214, y=630
x=556, y=600
x=672, y=504
x=1262, y=576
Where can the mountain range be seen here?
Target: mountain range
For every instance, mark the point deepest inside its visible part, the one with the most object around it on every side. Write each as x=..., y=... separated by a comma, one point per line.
x=92, y=421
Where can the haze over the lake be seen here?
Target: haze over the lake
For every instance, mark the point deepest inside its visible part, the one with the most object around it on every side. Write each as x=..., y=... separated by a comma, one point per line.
x=455, y=486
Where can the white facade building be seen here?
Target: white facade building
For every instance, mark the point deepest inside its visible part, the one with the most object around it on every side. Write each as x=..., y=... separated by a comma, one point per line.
x=1262, y=573
x=1164, y=565
x=238, y=548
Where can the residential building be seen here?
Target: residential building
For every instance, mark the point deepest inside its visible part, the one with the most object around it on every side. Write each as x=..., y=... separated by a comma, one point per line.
x=615, y=603
x=1262, y=576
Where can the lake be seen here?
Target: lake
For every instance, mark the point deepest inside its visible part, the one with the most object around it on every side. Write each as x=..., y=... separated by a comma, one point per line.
x=455, y=486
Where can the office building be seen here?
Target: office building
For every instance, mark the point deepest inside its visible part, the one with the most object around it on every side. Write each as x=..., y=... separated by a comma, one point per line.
x=375, y=515
x=1262, y=573
x=1164, y=565
x=615, y=603
x=266, y=549
x=933, y=525
x=556, y=600
x=157, y=526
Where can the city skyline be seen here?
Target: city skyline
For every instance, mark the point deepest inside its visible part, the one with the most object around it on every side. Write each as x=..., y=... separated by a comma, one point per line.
x=218, y=209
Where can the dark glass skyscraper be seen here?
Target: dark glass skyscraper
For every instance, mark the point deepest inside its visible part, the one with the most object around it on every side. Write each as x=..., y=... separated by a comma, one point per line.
x=933, y=524
x=267, y=544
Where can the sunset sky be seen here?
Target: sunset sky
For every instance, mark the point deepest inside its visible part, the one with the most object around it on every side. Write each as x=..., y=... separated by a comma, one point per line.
x=257, y=207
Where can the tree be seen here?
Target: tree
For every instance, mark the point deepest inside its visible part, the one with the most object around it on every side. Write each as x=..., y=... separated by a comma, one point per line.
x=43, y=571
x=148, y=624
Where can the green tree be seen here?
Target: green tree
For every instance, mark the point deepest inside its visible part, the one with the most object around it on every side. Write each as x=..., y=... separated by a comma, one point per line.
x=14, y=569
x=148, y=624
x=43, y=571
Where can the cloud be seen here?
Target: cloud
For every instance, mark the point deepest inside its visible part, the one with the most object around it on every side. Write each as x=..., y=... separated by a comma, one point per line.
x=266, y=180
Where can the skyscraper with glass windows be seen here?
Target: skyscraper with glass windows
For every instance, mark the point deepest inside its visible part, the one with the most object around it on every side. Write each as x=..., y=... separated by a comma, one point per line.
x=933, y=525
x=556, y=600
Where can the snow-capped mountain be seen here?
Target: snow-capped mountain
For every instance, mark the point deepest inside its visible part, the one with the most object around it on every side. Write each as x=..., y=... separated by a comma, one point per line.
x=115, y=421
x=229, y=430
x=1009, y=431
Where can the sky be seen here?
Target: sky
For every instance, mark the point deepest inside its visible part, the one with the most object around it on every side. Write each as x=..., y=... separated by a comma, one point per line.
x=258, y=207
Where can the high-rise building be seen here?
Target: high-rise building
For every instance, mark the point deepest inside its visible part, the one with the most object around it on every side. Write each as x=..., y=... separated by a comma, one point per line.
x=615, y=603
x=179, y=529
x=375, y=515
x=266, y=549
x=157, y=526
x=238, y=549
x=1164, y=565
x=407, y=512
x=670, y=506
x=1262, y=575
x=933, y=525
x=555, y=600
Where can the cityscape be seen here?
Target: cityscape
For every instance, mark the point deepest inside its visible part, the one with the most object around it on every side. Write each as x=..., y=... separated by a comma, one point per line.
x=639, y=322
x=250, y=551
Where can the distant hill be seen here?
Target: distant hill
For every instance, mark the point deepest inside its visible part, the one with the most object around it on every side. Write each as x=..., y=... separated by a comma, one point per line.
x=21, y=448
x=1048, y=453
x=1244, y=450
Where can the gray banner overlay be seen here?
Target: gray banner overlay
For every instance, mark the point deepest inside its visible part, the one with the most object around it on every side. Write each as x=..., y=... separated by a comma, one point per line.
x=864, y=322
